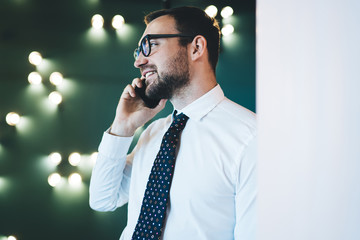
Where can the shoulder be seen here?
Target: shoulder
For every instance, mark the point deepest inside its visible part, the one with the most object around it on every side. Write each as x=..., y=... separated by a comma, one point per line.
x=236, y=119
x=237, y=112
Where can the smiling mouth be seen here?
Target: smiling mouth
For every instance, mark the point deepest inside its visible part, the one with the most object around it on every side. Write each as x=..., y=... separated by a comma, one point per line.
x=148, y=74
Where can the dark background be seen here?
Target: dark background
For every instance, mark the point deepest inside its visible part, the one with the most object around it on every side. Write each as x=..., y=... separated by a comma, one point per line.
x=96, y=68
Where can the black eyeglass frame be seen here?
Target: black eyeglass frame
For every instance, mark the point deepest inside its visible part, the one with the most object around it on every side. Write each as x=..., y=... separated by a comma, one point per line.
x=148, y=37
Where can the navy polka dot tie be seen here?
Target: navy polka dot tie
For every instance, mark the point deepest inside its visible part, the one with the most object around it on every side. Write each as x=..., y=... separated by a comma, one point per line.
x=153, y=208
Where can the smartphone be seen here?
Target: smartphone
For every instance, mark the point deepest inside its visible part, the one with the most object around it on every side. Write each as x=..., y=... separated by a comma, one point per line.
x=149, y=102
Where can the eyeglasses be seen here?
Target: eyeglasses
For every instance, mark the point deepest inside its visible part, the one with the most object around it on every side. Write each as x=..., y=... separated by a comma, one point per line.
x=145, y=45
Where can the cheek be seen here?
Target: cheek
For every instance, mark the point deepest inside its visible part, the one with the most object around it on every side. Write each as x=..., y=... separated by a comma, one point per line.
x=169, y=63
x=162, y=66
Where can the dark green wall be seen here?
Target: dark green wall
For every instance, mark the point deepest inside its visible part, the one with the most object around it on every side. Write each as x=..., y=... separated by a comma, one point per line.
x=95, y=73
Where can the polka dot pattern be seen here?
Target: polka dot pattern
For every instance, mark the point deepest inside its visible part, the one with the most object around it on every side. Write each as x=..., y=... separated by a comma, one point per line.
x=153, y=209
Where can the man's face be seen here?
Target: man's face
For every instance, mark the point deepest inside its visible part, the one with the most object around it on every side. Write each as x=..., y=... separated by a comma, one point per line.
x=166, y=69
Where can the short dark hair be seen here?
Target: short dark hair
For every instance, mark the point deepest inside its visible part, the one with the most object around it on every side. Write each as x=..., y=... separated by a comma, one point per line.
x=193, y=21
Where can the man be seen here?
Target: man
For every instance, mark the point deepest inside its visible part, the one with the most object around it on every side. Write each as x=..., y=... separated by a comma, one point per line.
x=213, y=188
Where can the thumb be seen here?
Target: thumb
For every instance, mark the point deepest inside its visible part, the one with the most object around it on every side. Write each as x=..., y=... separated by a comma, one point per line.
x=161, y=104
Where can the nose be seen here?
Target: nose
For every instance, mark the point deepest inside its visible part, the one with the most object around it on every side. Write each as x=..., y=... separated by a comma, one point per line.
x=140, y=61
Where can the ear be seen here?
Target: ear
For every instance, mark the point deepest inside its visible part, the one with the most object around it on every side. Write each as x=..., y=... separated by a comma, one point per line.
x=198, y=47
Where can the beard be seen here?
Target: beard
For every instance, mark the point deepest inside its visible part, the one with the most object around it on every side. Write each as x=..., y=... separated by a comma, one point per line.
x=173, y=80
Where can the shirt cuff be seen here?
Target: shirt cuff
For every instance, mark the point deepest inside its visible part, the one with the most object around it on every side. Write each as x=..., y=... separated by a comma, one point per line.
x=114, y=146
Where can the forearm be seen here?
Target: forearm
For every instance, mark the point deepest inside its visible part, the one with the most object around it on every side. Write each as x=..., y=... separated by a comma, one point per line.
x=110, y=176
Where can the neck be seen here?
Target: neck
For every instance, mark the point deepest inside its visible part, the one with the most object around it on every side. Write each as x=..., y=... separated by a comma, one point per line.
x=197, y=87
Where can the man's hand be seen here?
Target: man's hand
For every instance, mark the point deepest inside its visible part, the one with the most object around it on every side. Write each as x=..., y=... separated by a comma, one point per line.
x=131, y=111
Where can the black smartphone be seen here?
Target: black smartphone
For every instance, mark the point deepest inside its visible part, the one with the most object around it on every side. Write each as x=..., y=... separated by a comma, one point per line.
x=149, y=102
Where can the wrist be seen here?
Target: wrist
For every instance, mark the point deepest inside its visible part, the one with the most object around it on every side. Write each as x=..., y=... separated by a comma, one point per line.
x=121, y=130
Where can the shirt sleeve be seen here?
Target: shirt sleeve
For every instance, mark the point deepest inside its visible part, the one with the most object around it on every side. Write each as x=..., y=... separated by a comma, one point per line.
x=110, y=178
x=245, y=199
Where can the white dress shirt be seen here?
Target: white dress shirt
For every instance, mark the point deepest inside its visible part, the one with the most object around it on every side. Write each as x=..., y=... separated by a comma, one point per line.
x=213, y=191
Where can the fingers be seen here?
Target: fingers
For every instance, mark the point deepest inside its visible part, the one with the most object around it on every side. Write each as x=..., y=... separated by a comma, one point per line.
x=129, y=90
x=162, y=102
x=137, y=82
x=161, y=105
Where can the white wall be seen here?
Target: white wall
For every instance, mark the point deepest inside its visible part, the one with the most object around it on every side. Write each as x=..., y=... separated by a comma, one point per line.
x=308, y=105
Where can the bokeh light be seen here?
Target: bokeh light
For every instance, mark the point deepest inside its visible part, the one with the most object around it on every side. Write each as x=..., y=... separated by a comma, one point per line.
x=34, y=78
x=54, y=179
x=55, y=158
x=226, y=12
x=97, y=21
x=13, y=118
x=227, y=30
x=35, y=58
x=75, y=179
x=56, y=78
x=118, y=22
x=211, y=11
x=74, y=159
x=93, y=157
x=55, y=97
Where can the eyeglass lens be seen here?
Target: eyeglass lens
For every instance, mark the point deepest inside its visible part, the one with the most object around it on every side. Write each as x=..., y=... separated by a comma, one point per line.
x=145, y=46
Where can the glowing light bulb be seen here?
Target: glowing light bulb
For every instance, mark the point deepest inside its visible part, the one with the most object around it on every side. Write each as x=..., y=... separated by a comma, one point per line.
x=227, y=30
x=211, y=11
x=11, y=238
x=118, y=21
x=93, y=157
x=13, y=118
x=97, y=21
x=74, y=159
x=226, y=12
x=54, y=179
x=56, y=78
x=34, y=78
x=35, y=58
x=55, y=97
x=55, y=158
x=75, y=179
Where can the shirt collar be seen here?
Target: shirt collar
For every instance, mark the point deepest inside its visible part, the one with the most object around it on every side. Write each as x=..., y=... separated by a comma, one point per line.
x=203, y=105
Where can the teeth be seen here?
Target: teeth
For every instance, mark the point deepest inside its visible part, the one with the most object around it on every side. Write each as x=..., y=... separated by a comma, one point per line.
x=149, y=73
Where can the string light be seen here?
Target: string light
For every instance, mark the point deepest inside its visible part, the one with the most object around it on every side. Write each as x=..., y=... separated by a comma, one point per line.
x=56, y=78
x=13, y=118
x=75, y=179
x=55, y=158
x=11, y=238
x=118, y=21
x=34, y=78
x=74, y=158
x=97, y=21
x=54, y=179
x=226, y=12
x=35, y=58
x=211, y=11
x=93, y=157
x=227, y=29
x=55, y=97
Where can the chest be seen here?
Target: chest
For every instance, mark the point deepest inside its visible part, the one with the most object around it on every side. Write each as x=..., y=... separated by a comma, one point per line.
x=206, y=164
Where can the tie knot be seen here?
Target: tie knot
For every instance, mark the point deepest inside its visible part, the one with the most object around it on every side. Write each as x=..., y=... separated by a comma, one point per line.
x=178, y=123
x=180, y=116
